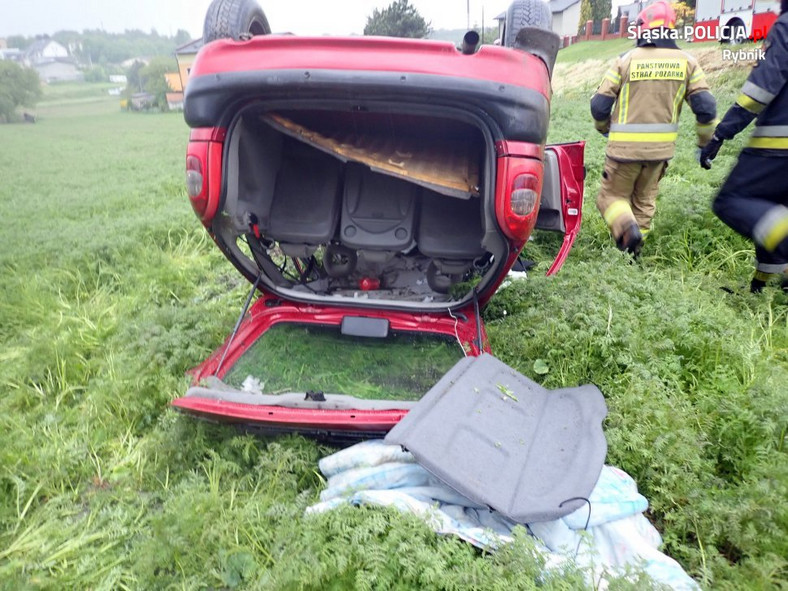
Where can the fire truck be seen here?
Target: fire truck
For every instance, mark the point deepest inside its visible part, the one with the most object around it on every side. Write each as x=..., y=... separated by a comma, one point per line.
x=734, y=21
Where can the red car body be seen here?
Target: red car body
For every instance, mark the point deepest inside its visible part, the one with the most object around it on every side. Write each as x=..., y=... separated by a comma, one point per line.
x=498, y=94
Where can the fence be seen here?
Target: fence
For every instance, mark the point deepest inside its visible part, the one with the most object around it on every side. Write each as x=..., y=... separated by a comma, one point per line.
x=599, y=31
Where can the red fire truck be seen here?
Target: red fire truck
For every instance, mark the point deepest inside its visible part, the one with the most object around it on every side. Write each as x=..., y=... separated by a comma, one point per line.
x=734, y=21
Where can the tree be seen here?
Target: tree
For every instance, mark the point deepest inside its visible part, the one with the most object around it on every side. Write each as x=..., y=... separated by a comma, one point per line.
x=585, y=15
x=594, y=10
x=19, y=41
x=150, y=78
x=182, y=37
x=133, y=78
x=19, y=87
x=685, y=14
x=399, y=19
x=154, y=81
x=601, y=9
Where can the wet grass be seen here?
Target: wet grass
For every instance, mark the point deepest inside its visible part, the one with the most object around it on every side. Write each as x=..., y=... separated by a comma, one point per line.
x=291, y=358
x=111, y=291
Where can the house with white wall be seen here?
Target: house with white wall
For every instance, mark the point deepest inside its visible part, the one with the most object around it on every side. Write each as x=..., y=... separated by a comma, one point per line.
x=566, y=17
x=43, y=50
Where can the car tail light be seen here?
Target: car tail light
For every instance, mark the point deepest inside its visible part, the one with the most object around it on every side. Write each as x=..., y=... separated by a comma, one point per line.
x=524, y=196
x=195, y=185
x=521, y=204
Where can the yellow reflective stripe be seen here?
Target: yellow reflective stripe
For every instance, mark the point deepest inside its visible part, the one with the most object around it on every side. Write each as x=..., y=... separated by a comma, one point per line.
x=776, y=234
x=750, y=104
x=624, y=109
x=623, y=136
x=613, y=75
x=615, y=210
x=677, y=103
x=768, y=143
x=612, y=79
x=697, y=76
x=707, y=126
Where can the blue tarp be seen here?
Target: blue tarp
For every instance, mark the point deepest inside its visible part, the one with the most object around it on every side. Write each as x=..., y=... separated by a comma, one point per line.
x=618, y=535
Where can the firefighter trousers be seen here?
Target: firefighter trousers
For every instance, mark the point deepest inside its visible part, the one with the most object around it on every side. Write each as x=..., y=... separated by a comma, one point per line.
x=754, y=202
x=629, y=193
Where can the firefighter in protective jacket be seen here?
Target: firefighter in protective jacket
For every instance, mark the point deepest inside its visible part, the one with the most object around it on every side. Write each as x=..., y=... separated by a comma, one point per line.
x=637, y=106
x=754, y=199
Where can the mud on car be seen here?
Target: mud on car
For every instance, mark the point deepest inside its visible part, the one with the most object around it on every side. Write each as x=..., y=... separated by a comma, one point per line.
x=375, y=192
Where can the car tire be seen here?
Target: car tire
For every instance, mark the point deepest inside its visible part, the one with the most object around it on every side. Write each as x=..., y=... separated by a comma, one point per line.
x=526, y=13
x=736, y=33
x=234, y=19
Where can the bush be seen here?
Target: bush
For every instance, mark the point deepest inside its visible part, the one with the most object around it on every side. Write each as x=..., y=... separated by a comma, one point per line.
x=19, y=87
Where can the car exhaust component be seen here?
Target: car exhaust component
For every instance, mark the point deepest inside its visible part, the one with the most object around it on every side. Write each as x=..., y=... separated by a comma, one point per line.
x=470, y=42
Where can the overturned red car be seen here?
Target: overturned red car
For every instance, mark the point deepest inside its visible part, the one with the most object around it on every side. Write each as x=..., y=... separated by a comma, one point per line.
x=375, y=192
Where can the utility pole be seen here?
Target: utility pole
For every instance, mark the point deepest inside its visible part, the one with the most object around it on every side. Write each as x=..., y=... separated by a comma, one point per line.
x=468, y=13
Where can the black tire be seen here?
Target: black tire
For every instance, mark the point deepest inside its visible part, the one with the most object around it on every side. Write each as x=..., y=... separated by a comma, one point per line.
x=526, y=13
x=234, y=19
x=734, y=33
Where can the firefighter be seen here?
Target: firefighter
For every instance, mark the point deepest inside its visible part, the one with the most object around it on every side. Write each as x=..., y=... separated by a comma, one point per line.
x=637, y=106
x=754, y=199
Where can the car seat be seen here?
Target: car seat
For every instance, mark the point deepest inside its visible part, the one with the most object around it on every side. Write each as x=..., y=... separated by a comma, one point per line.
x=450, y=232
x=305, y=205
x=378, y=214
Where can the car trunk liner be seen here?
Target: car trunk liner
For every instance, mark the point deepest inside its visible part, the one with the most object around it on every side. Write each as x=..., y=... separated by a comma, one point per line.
x=504, y=441
x=447, y=166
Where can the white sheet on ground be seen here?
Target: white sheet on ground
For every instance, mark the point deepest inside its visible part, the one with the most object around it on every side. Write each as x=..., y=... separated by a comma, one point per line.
x=618, y=535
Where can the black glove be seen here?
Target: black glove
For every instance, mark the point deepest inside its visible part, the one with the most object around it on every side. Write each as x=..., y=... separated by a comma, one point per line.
x=709, y=152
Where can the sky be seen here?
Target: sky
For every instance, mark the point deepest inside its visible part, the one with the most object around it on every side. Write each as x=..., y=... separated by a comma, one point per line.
x=302, y=17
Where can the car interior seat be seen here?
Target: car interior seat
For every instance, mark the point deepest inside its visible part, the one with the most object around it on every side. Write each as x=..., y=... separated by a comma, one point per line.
x=378, y=214
x=450, y=232
x=305, y=206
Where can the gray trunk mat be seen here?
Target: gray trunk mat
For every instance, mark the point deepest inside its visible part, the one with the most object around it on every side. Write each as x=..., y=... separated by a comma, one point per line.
x=504, y=441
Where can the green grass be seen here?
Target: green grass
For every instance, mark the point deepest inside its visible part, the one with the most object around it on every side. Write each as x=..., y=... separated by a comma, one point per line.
x=601, y=50
x=290, y=358
x=111, y=291
x=609, y=50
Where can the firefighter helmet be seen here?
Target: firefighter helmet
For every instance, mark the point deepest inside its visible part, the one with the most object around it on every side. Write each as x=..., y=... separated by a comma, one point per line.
x=659, y=14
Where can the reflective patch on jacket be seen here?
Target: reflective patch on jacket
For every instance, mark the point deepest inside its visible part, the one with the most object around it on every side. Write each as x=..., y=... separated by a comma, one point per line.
x=650, y=86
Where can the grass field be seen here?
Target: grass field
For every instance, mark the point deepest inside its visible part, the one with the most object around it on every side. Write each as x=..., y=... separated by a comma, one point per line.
x=111, y=291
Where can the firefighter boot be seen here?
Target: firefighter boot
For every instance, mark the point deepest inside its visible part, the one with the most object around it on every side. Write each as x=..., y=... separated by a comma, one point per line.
x=630, y=239
x=758, y=281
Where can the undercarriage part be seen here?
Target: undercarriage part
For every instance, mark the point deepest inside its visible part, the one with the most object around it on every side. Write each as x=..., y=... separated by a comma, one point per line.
x=339, y=261
x=439, y=281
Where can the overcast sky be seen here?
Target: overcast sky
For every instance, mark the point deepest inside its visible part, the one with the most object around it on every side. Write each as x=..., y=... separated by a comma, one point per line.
x=302, y=17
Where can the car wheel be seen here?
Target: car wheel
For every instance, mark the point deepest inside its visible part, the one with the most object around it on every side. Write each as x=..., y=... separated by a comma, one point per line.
x=735, y=34
x=526, y=13
x=234, y=19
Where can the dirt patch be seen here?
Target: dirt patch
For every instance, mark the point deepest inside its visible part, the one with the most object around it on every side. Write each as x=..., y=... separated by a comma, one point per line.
x=574, y=76
x=712, y=61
